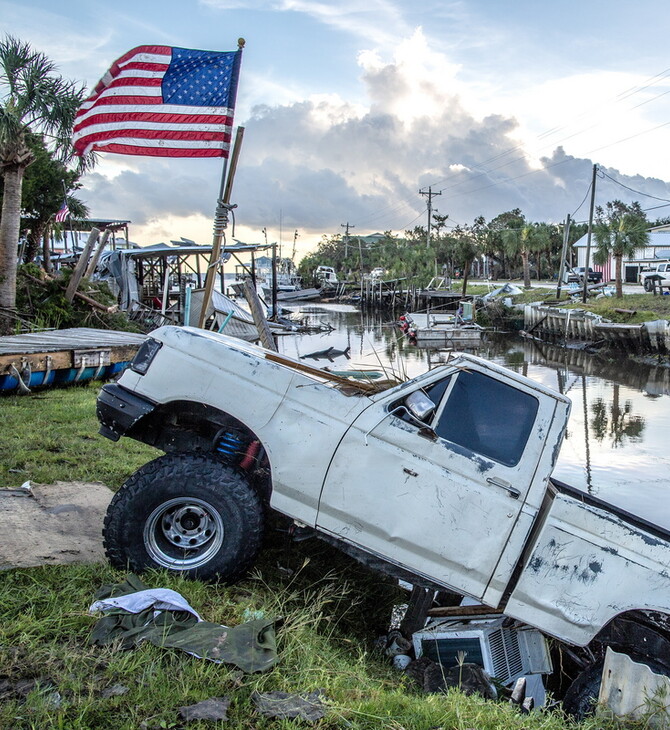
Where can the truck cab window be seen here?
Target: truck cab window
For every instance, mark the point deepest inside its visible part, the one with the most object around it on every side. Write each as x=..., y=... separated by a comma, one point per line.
x=488, y=417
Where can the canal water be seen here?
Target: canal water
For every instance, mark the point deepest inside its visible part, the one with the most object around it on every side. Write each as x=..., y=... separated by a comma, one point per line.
x=616, y=447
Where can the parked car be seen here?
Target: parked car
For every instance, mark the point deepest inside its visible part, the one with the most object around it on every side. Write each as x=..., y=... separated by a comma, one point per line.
x=577, y=275
x=659, y=272
x=443, y=481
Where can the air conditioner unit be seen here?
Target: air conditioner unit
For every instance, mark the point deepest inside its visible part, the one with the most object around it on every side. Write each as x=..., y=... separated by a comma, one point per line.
x=505, y=653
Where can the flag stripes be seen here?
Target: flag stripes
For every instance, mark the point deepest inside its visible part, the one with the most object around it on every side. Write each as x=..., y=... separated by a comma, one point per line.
x=162, y=101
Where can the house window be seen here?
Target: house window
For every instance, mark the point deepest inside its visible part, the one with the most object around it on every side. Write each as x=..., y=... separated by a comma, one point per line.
x=488, y=417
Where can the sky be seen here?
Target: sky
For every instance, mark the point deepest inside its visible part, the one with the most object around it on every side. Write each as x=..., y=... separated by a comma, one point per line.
x=350, y=108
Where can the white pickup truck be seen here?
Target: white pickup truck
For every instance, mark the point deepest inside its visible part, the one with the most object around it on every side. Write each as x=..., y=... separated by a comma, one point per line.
x=445, y=480
x=660, y=272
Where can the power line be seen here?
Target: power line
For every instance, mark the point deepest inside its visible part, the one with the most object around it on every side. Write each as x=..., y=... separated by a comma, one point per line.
x=638, y=192
x=586, y=195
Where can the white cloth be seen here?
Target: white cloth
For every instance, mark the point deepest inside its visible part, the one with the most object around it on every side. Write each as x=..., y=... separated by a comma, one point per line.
x=160, y=599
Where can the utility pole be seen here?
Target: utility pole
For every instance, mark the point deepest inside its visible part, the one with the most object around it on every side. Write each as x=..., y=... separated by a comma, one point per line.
x=429, y=194
x=585, y=290
x=295, y=238
x=346, y=237
x=564, y=253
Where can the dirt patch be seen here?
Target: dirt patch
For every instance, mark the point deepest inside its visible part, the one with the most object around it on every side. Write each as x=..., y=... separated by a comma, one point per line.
x=52, y=524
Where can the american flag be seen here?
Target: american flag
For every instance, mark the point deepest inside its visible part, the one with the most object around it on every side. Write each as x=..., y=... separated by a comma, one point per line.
x=164, y=102
x=62, y=214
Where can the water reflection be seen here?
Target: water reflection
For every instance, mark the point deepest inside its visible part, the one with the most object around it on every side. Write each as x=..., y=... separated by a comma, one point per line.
x=615, y=446
x=616, y=422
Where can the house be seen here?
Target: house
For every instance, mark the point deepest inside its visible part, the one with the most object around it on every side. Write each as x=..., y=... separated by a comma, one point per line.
x=657, y=249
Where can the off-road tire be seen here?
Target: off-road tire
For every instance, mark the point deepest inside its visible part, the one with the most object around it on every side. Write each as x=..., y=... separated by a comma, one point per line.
x=178, y=497
x=648, y=285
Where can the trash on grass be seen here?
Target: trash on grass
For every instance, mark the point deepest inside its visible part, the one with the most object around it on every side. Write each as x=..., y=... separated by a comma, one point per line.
x=134, y=613
x=285, y=706
x=215, y=709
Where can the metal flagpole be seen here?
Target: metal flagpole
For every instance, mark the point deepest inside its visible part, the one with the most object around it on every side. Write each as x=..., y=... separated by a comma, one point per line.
x=221, y=218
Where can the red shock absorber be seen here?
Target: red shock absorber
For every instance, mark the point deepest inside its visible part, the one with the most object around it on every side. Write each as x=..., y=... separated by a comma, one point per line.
x=250, y=455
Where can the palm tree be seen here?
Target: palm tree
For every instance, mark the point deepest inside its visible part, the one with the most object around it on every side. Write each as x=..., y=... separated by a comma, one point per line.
x=619, y=231
x=34, y=100
x=530, y=237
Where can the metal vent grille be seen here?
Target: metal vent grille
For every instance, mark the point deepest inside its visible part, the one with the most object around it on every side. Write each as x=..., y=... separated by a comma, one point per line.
x=513, y=652
x=505, y=654
x=497, y=647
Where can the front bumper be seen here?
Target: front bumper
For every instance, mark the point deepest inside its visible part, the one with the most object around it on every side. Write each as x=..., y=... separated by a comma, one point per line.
x=119, y=410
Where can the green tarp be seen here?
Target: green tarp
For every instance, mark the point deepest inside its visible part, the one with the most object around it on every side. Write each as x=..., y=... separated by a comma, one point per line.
x=134, y=613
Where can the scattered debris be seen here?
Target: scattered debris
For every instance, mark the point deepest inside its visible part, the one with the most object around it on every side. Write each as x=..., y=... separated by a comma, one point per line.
x=519, y=699
x=116, y=690
x=285, y=706
x=22, y=688
x=630, y=689
x=214, y=709
x=135, y=613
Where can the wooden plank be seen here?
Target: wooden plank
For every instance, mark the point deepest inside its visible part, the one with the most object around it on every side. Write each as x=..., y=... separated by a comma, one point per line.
x=275, y=357
x=80, y=268
x=446, y=611
x=260, y=319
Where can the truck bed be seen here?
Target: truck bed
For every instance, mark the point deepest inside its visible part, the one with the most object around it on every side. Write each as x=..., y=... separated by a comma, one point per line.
x=635, y=520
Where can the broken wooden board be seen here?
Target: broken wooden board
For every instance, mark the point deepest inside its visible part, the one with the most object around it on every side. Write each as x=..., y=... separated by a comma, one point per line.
x=52, y=524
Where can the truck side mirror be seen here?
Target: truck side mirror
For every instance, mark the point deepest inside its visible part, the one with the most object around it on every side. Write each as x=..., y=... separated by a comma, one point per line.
x=419, y=405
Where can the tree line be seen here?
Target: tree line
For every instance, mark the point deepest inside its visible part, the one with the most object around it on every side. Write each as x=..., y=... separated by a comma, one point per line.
x=506, y=247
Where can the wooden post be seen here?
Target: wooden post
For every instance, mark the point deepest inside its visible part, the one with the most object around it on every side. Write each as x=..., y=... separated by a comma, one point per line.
x=79, y=269
x=96, y=256
x=259, y=318
x=220, y=224
x=274, y=281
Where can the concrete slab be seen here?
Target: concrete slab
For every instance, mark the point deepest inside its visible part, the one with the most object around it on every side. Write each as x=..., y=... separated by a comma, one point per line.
x=52, y=524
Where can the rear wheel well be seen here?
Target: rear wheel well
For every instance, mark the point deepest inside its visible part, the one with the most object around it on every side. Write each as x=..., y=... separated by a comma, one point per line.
x=644, y=636
x=641, y=634
x=189, y=426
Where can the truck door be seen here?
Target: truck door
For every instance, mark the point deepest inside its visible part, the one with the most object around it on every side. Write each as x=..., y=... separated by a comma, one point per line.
x=442, y=502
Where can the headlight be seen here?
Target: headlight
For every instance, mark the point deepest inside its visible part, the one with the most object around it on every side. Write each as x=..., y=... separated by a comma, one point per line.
x=145, y=355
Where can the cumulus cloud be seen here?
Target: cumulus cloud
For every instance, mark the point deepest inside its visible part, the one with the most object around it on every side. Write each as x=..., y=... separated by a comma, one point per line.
x=319, y=162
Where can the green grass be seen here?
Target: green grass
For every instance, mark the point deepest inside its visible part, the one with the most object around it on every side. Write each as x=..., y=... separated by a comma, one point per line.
x=331, y=610
x=52, y=435
x=44, y=631
x=645, y=307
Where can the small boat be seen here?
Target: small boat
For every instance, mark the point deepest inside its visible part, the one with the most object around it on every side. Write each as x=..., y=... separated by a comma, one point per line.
x=445, y=334
x=442, y=327
x=61, y=357
x=292, y=295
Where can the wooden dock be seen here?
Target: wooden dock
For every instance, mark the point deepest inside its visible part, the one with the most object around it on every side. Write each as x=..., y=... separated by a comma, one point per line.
x=57, y=357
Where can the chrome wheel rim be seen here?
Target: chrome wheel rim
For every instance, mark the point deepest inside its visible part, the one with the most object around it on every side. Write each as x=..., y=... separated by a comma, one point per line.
x=183, y=533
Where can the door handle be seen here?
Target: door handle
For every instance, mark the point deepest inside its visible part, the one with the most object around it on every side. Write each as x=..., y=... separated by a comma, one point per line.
x=513, y=492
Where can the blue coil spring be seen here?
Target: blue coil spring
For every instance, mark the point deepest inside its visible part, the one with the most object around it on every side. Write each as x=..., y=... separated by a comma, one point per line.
x=229, y=444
